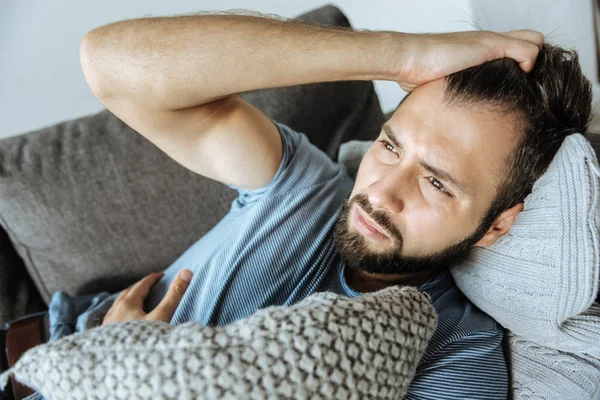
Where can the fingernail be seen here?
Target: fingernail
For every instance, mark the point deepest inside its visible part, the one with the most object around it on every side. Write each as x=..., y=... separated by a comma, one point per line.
x=186, y=275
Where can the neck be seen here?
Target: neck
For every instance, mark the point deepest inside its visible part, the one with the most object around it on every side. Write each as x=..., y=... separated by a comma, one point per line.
x=365, y=282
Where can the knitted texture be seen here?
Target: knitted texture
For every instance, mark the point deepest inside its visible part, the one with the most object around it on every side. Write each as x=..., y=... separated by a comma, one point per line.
x=540, y=279
x=327, y=346
x=543, y=373
x=541, y=276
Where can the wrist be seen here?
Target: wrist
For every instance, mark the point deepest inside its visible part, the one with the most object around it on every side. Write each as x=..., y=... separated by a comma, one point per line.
x=386, y=55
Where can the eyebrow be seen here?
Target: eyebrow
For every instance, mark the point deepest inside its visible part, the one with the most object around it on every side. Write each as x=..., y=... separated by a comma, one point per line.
x=438, y=172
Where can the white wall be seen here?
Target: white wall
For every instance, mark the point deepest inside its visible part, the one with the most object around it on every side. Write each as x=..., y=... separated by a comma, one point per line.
x=41, y=82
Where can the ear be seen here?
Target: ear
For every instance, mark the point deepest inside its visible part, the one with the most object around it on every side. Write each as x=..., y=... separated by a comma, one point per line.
x=500, y=226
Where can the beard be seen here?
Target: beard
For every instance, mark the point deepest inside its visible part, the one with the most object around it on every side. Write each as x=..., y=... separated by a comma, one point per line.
x=354, y=248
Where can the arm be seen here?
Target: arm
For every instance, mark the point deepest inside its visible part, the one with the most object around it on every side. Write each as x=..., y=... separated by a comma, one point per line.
x=193, y=60
x=175, y=79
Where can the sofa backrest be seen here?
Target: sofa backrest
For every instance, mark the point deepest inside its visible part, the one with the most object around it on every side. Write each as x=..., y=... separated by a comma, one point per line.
x=89, y=204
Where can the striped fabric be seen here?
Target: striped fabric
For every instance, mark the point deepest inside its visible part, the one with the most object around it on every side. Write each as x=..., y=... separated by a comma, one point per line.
x=276, y=246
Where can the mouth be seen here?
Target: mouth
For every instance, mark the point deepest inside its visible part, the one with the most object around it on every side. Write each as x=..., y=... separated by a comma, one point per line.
x=369, y=228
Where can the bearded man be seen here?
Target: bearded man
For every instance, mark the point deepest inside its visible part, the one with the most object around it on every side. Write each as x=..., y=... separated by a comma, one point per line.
x=449, y=171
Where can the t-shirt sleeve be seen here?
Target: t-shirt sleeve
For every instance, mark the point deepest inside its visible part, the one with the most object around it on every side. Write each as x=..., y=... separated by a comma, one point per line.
x=472, y=367
x=302, y=166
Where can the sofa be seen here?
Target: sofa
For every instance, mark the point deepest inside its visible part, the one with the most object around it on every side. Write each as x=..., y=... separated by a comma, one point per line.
x=90, y=205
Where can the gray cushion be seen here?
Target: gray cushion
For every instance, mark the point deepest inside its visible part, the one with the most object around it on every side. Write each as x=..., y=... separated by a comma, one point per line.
x=327, y=346
x=89, y=204
x=540, y=279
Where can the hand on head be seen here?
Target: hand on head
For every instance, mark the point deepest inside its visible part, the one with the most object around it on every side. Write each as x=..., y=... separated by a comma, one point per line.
x=427, y=57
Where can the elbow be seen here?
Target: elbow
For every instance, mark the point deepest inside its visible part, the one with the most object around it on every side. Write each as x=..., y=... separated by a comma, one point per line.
x=90, y=65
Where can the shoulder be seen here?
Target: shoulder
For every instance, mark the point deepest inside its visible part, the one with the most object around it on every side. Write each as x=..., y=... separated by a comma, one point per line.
x=301, y=156
x=304, y=168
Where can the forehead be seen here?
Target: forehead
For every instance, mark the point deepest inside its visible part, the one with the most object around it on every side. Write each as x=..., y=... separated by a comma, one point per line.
x=472, y=142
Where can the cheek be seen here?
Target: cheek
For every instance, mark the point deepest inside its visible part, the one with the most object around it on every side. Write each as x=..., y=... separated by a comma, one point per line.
x=428, y=231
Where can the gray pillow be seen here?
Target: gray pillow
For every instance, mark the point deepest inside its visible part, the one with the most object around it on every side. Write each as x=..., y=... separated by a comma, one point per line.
x=541, y=278
x=90, y=205
x=327, y=346
x=540, y=372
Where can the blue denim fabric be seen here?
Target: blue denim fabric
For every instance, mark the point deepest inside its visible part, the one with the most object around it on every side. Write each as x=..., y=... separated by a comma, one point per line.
x=64, y=312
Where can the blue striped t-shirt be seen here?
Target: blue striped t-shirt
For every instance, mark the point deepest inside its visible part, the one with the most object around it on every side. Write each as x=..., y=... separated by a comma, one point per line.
x=275, y=246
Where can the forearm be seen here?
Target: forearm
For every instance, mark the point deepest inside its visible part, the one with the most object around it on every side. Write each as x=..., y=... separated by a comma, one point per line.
x=179, y=62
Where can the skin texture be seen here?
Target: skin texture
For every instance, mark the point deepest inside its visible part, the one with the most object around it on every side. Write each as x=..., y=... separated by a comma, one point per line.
x=421, y=213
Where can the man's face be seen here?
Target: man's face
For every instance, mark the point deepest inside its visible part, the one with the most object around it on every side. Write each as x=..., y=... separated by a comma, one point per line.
x=425, y=184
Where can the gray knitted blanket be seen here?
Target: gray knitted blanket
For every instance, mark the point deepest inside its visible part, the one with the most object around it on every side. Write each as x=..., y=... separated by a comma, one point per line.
x=325, y=347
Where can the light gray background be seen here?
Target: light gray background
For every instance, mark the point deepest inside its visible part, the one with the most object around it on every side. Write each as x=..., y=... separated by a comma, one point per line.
x=41, y=82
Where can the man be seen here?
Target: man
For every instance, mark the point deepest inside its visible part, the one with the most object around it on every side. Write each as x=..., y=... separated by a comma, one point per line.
x=448, y=172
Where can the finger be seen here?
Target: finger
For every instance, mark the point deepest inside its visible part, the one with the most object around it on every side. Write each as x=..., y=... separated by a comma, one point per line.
x=524, y=52
x=166, y=308
x=121, y=295
x=115, y=303
x=139, y=291
x=530, y=36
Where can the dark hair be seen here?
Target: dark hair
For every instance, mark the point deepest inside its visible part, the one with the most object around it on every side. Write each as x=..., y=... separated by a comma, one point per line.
x=552, y=101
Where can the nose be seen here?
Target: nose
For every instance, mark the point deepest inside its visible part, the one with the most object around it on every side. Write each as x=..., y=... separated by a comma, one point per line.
x=385, y=194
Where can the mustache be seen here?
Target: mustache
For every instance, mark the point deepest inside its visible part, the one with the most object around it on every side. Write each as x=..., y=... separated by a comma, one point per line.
x=378, y=216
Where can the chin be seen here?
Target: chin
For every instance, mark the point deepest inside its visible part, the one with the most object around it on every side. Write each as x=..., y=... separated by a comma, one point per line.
x=375, y=255
x=361, y=253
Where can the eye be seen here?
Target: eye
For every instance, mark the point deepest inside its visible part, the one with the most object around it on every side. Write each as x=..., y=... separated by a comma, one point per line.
x=434, y=181
x=388, y=146
x=438, y=185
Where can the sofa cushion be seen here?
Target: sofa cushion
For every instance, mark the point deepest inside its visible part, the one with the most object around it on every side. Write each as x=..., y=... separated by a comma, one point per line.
x=89, y=204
